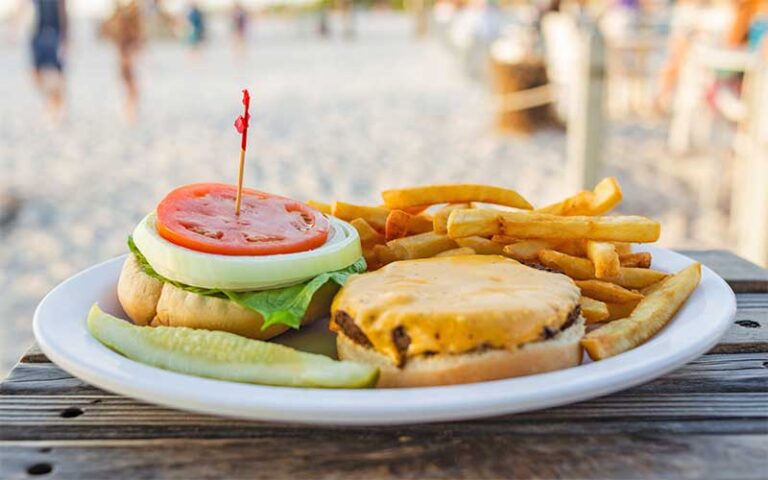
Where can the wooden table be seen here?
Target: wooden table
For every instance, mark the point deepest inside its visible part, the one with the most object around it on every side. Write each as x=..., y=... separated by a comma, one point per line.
x=709, y=419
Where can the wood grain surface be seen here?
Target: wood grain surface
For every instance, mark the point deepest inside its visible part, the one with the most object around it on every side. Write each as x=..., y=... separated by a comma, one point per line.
x=358, y=454
x=708, y=419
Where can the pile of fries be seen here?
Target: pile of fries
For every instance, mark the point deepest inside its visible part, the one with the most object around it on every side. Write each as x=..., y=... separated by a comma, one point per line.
x=623, y=299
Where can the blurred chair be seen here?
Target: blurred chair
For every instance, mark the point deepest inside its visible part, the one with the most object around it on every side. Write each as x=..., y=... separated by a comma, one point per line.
x=692, y=115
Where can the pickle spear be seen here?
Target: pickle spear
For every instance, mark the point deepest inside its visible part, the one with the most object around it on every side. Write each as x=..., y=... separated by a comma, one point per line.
x=225, y=356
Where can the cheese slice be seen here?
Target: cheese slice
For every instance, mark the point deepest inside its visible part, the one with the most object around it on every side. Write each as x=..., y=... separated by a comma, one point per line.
x=456, y=304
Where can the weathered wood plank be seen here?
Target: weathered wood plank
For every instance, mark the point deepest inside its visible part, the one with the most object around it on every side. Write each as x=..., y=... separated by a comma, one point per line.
x=742, y=275
x=710, y=373
x=112, y=417
x=34, y=355
x=362, y=454
x=749, y=332
x=44, y=379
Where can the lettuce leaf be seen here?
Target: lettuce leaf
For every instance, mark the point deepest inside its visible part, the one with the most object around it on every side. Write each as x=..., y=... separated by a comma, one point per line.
x=284, y=305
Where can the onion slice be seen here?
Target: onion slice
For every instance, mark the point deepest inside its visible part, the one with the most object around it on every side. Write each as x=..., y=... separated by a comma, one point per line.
x=246, y=273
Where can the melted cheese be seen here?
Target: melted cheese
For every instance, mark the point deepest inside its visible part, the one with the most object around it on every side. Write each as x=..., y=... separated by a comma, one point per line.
x=456, y=304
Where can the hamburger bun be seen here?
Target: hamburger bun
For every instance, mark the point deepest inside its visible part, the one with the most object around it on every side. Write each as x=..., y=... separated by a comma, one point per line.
x=149, y=301
x=562, y=351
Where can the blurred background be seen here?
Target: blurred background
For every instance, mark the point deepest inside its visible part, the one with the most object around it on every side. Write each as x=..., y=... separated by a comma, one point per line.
x=106, y=105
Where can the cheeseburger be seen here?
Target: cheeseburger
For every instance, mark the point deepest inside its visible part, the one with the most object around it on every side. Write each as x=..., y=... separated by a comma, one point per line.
x=461, y=319
x=195, y=263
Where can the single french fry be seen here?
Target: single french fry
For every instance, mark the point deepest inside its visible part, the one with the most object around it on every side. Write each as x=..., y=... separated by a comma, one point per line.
x=651, y=288
x=623, y=248
x=650, y=315
x=458, y=193
x=488, y=222
x=576, y=248
x=583, y=269
x=637, y=260
x=397, y=224
x=607, y=292
x=384, y=254
x=605, y=196
x=620, y=310
x=504, y=239
x=320, y=206
x=593, y=311
x=526, y=250
x=416, y=209
x=368, y=235
x=371, y=259
x=401, y=224
x=481, y=246
x=456, y=252
x=440, y=219
x=604, y=257
x=423, y=245
x=375, y=216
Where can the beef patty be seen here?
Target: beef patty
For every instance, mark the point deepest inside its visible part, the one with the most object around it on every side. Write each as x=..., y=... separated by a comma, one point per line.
x=400, y=337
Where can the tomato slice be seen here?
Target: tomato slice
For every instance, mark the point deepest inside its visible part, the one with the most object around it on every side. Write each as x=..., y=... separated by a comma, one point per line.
x=202, y=217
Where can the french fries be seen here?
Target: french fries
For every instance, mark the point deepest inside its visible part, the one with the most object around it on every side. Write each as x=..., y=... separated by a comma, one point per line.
x=375, y=216
x=593, y=311
x=605, y=196
x=623, y=248
x=620, y=310
x=607, y=292
x=384, y=255
x=505, y=239
x=481, y=246
x=460, y=193
x=396, y=225
x=572, y=237
x=637, y=260
x=456, y=252
x=488, y=222
x=422, y=245
x=576, y=248
x=604, y=257
x=320, y=206
x=583, y=269
x=527, y=250
x=414, y=210
x=440, y=219
x=650, y=315
x=400, y=224
x=368, y=235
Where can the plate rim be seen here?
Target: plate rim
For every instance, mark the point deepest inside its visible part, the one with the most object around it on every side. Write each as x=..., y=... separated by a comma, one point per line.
x=381, y=406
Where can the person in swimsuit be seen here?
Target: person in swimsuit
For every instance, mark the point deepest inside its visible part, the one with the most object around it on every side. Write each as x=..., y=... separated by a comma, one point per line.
x=49, y=38
x=125, y=29
x=240, y=22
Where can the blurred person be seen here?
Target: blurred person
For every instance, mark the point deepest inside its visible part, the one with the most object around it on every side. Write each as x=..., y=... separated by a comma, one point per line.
x=197, y=27
x=125, y=29
x=693, y=21
x=49, y=39
x=750, y=25
x=240, y=22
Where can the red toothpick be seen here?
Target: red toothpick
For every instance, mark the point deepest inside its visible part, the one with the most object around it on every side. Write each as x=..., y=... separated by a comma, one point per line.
x=241, y=124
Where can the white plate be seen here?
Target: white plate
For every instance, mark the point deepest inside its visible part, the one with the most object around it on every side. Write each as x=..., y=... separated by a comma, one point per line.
x=60, y=329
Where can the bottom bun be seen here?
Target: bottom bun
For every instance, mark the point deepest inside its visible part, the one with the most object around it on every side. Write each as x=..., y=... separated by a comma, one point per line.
x=148, y=301
x=562, y=351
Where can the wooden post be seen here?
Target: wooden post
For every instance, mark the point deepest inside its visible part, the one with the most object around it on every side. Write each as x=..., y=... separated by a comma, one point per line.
x=751, y=186
x=421, y=12
x=585, y=119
